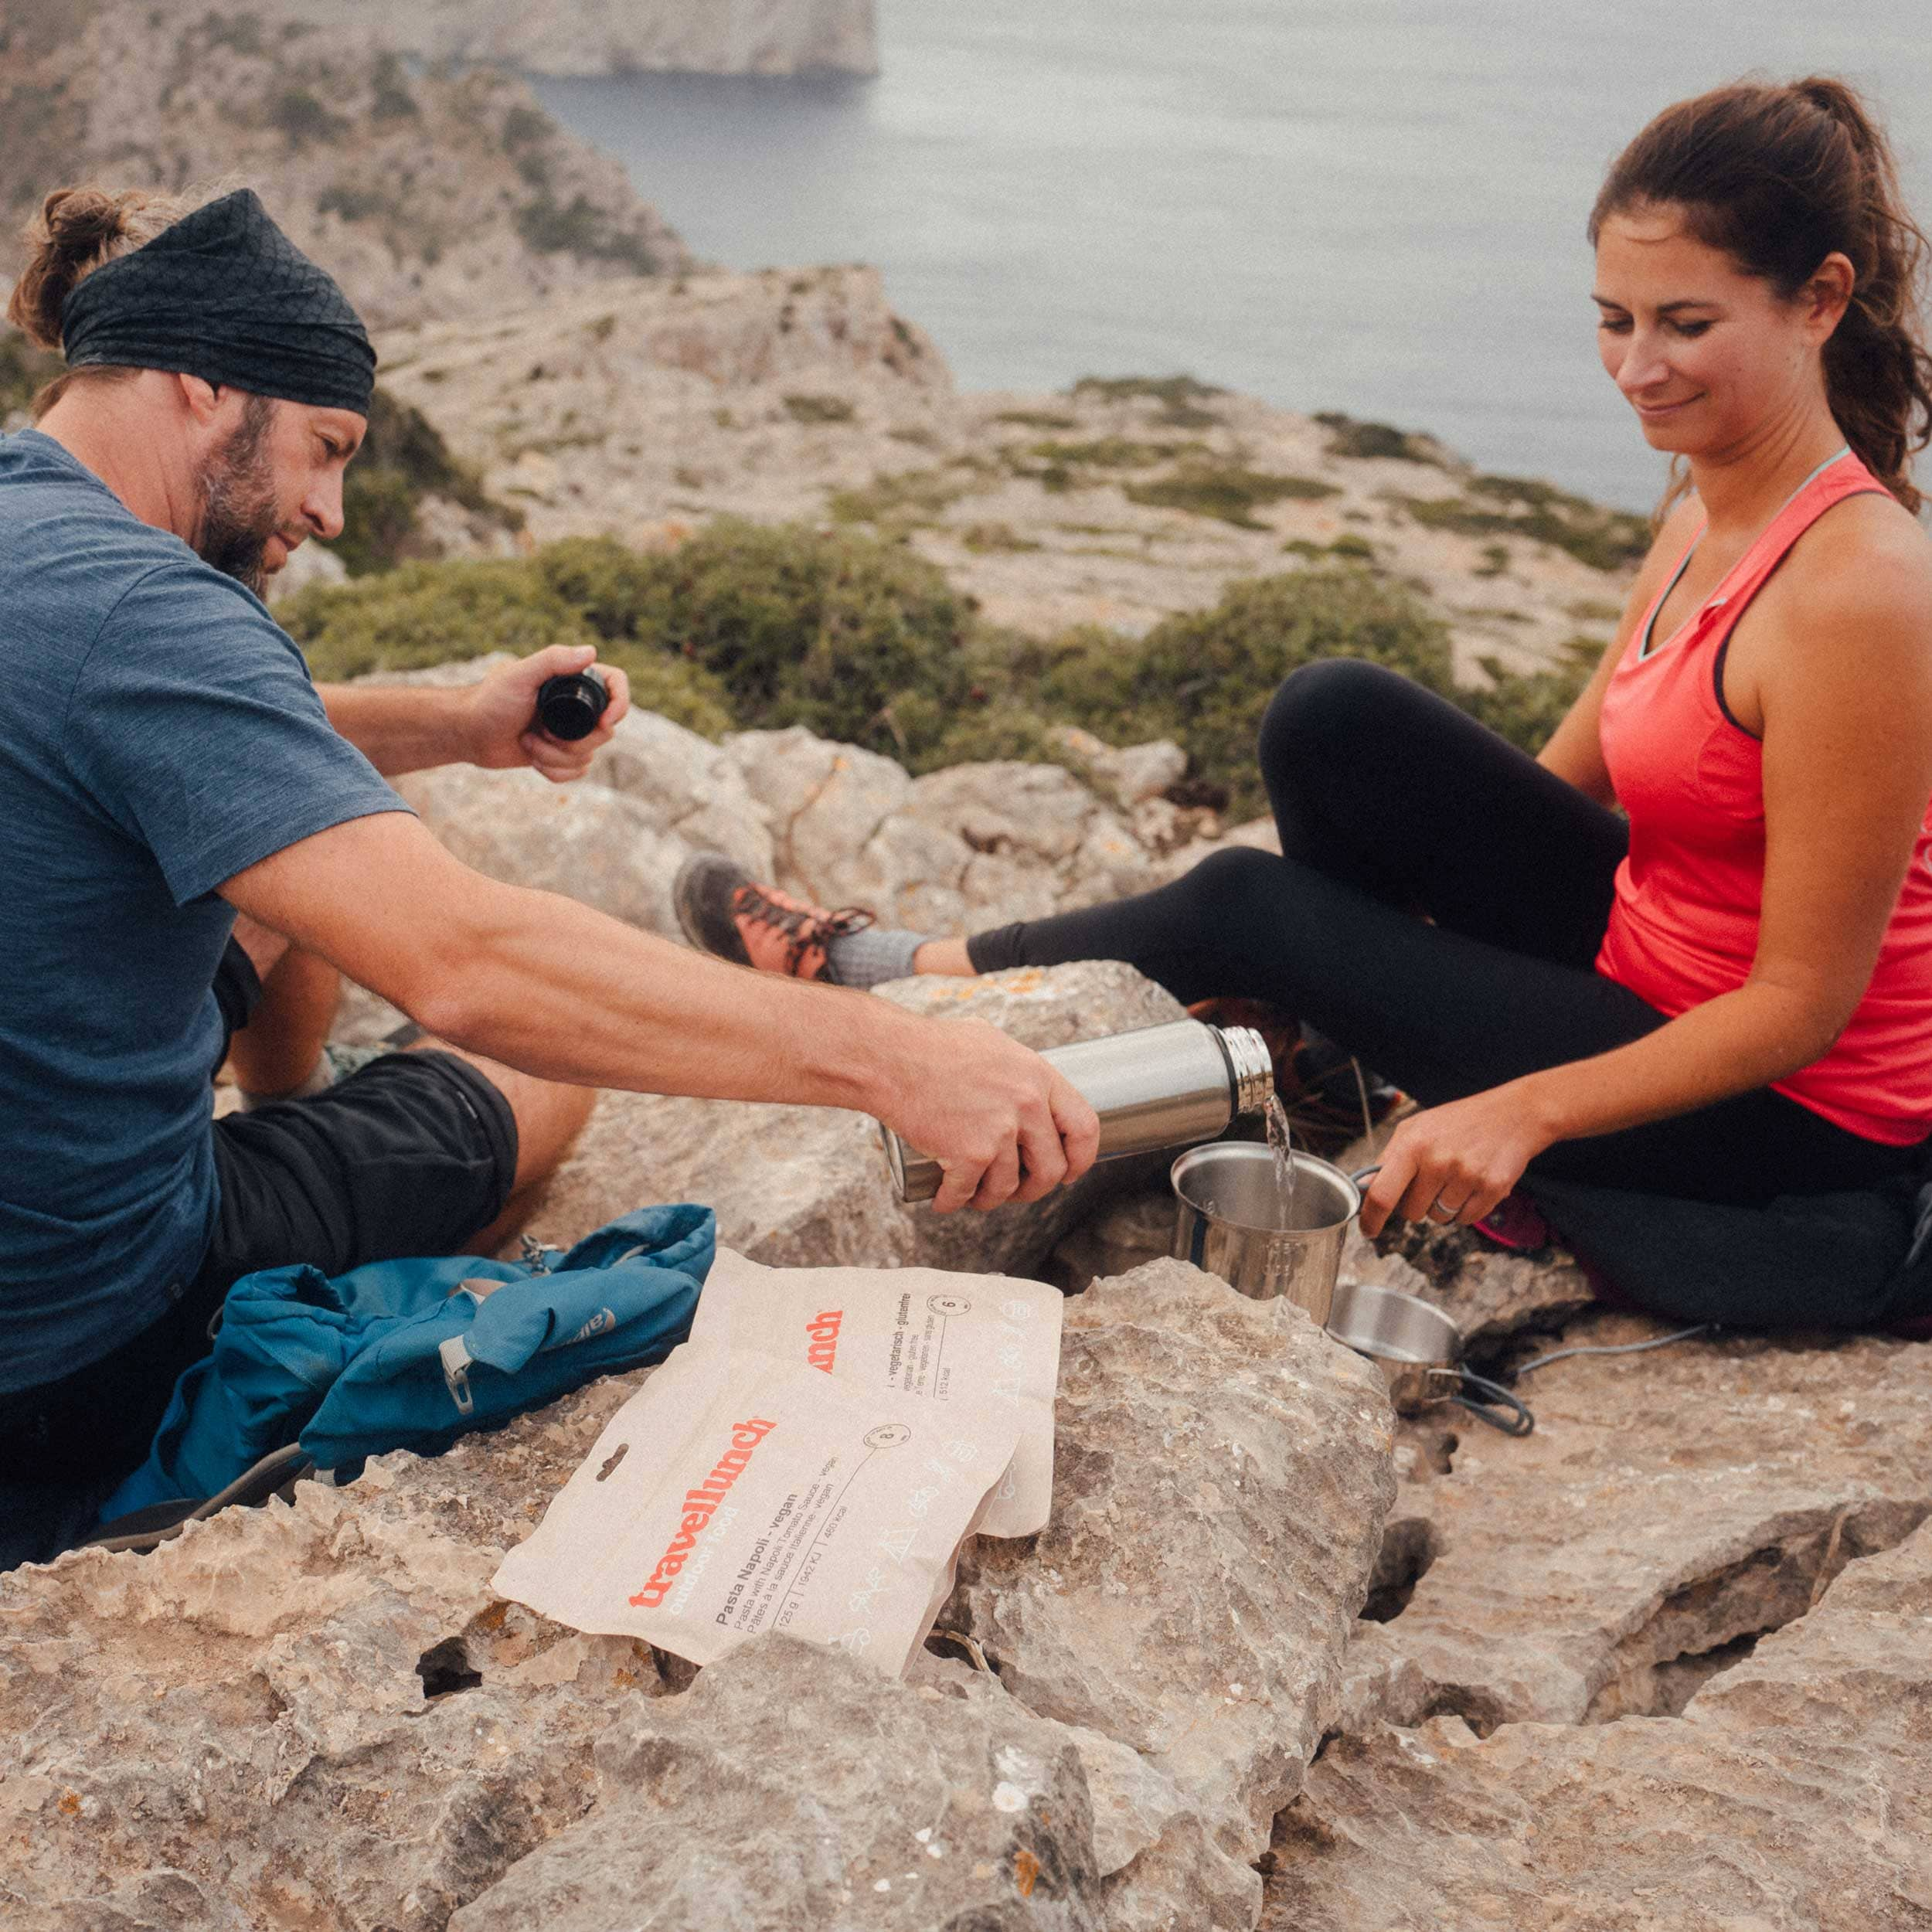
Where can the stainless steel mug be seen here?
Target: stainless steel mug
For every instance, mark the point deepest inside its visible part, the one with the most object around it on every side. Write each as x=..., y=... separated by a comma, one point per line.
x=1230, y=1223
x=1161, y=1087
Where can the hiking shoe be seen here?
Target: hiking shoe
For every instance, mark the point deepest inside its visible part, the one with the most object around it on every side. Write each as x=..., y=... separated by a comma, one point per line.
x=722, y=910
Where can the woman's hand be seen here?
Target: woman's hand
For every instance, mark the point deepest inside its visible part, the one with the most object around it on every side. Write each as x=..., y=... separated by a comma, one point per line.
x=1449, y=1165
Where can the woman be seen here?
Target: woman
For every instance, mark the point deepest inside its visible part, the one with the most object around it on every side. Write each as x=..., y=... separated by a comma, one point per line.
x=1729, y=998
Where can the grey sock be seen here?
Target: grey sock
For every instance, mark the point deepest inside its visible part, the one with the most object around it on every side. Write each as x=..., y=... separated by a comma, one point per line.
x=871, y=957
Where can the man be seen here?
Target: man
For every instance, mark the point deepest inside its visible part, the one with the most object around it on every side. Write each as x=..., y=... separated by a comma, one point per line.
x=166, y=766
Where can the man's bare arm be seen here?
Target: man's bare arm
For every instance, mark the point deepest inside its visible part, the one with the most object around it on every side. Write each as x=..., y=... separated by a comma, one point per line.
x=404, y=728
x=556, y=990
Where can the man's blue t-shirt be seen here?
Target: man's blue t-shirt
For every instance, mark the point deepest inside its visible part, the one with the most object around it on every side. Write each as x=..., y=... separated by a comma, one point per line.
x=158, y=733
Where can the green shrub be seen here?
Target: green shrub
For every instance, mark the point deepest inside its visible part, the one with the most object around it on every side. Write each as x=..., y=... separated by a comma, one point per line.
x=903, y=497
x=1359, y=439
x=1180, y=396
x=1115, y=453
x=749, y=626
x=428, y=613
x=1527, y=707
x=579, y=227
x=25, y=371
x=984, y=539
x=402, y=460
x=819, y=409
x=1227, y=491
x=1605, y=539
x=425, y=613
x=303, y=116
x=1204, y=679
x=829, y=631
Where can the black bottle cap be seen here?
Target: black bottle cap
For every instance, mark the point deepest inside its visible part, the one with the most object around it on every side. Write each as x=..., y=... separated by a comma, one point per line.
x=568, y=707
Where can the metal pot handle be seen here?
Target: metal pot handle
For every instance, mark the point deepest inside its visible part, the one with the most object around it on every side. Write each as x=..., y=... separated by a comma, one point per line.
x=1493, y=1403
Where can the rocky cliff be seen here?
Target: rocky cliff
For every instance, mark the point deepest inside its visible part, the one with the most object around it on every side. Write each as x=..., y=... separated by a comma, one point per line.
x=626, y=36
x=431, y=196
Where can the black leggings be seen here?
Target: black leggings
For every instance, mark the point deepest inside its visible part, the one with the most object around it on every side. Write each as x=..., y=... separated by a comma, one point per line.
x=1392, y=804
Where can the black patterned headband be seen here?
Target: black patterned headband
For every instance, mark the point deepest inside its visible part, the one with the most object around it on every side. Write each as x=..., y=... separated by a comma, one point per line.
x=226, y=296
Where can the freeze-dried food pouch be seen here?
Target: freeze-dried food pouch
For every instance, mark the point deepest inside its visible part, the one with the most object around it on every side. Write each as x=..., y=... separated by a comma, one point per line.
x=976, y=1345
x=736, y=1493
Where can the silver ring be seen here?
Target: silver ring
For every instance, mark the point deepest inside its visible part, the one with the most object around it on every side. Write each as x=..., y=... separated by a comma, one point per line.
x=1438, y=1211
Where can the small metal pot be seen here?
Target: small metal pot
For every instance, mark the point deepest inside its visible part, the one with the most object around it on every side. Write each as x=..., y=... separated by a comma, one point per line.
x=1419, y=1350
x=1230, y=1223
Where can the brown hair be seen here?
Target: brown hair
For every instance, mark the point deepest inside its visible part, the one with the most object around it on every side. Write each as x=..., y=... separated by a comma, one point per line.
x=78, y=230
x=1779, y=177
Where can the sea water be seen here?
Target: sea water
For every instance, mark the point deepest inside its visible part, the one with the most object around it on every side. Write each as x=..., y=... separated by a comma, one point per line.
x=1376, y=208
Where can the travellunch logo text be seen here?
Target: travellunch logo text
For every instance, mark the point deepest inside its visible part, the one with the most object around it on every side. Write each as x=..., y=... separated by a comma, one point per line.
x=699, y=1504
x=821, y=1338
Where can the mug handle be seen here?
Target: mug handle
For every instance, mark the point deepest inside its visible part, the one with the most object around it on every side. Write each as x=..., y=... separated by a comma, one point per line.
x=1491, y=1402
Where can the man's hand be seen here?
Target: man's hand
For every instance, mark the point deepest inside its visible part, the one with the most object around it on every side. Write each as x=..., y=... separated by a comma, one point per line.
x=1450, y=1164
x=1003, y=1124
x=502, y=709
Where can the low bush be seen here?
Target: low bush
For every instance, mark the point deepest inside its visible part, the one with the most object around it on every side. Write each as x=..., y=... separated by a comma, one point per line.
x=902, y=497
x=1203, y=678
x=402, y=460
x=1605, y=539
x=1527, y=708
x=749, y=626
x=25, y=371
x=1180, y=396
x=1227, y=491
x=819, y=409
x=1352, y=437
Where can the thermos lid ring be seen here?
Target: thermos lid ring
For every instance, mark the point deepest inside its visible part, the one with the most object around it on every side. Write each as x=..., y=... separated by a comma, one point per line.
x=1250, y=1065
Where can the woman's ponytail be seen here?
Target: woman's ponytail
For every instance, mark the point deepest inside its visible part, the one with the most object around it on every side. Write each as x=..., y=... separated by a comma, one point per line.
x=1779, y=177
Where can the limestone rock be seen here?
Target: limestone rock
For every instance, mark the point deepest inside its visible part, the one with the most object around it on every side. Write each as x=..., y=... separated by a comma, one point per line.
x=1130, y=776
x=318, y=1714
x=792, y=1786
x=825, y=802
x=690, y=788
x=586, y=842
x=809, y=1187
x=1670, y=1506
x=1138, y=1228
x=624, y=36
x=1795, y=1790
x=315, y=1715
x=418, y=191
x=1221, y=1474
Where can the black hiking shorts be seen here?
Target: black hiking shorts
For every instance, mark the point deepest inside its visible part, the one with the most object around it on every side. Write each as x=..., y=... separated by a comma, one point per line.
x=414, y=1155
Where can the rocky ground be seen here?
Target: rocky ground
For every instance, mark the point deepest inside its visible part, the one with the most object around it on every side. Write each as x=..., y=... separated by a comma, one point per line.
x=641, y=409
x=1281, y=1659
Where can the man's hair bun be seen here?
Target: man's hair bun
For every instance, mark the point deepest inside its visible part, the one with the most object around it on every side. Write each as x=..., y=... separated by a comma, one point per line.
x=78, y=230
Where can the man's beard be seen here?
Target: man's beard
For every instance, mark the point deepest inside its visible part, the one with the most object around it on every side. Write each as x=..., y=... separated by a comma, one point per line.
x=239, y=510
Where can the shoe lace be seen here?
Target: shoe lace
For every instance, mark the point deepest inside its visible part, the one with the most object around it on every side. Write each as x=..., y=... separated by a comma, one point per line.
x=803, y=926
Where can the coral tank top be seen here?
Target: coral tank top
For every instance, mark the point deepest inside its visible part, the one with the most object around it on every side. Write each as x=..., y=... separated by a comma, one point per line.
x=1683, y=927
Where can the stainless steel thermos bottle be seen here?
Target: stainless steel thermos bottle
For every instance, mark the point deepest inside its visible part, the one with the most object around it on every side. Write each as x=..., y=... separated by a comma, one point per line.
x=1171, y=1086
